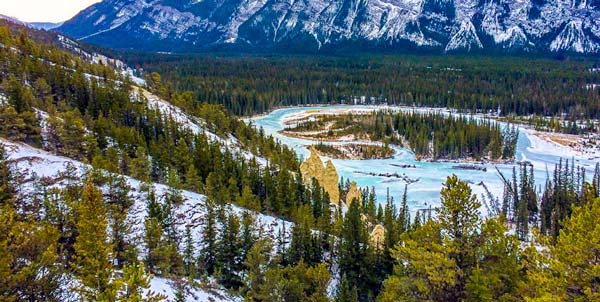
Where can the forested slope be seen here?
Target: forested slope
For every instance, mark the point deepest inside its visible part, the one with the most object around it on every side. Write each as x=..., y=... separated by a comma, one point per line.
x=147, y=187
x=506, y=85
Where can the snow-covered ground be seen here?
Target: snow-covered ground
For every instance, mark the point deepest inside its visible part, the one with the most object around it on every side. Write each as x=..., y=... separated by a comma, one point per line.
x=191, y=123
x=538, y=145
x=34, y=163
x=167, y=289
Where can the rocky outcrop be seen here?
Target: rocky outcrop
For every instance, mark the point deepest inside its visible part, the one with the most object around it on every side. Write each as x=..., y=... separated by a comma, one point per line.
x=326, y=176
x=312, y=167
x=330, y=182
x=350, y=25
x=353, y=193
x=377, y=236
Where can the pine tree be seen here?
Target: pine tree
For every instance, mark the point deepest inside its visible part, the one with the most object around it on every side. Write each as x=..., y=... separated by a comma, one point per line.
x=212, y=187
x=498, y=275
x=93, y=265
x=567, y=270
x=229, y=253
x=71, y=130
x=189, y=259
x=423, y=269
x=136, y=283
x=458, y=215
x=248, y=200
x=28, y=270
x=256, y=263
x=353, y=253
x=11, y=124
x=140, y=166
x=192, y=179
x=209, y=237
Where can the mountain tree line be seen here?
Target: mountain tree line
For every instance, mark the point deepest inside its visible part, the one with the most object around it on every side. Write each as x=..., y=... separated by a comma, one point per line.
x=430, y=135
x=546, y=208
x=248, y=85
x=86, y=112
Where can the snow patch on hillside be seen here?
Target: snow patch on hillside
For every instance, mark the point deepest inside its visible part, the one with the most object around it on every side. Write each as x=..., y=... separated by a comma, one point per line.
x=166, y=288
x=465, y=37
x=196, y=125
x=33, y=163
x=573, y=38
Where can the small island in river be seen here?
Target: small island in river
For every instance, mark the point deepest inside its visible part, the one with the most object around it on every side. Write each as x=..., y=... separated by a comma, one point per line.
x=354, y=151
x=432, y=136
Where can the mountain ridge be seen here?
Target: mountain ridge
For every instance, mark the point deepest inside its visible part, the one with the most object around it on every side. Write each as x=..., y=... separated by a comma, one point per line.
x=571, y=26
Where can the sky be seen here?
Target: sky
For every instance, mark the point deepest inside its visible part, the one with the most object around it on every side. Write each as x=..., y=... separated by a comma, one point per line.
x=43, y=10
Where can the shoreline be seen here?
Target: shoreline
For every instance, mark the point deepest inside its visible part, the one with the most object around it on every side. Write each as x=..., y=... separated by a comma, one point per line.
x=351, y=138
x=572, y=144
x=348, y=151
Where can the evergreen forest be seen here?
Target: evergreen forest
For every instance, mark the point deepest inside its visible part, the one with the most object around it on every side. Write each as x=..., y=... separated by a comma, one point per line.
x=70, y=236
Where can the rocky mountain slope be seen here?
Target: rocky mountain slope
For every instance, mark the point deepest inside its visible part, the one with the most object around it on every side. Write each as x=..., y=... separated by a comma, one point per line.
x=571, y=26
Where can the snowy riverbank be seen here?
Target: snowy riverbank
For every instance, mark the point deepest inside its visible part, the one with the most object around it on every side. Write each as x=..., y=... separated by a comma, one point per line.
x=425, y=193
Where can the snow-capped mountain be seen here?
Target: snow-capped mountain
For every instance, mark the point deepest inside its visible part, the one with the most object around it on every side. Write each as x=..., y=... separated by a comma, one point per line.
x=438, y=25
x=35, y=25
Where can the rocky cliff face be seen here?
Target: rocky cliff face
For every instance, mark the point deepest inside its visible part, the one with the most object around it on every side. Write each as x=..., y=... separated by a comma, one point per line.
x=326, y=176
x=438, y=25
x=330, y=182
x=353, y=194
x=377, y=236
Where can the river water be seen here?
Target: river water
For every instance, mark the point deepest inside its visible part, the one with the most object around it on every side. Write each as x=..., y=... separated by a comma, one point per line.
x=425, y=192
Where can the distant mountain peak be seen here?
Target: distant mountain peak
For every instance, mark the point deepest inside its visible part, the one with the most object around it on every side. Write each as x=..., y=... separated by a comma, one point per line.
x=442, y=25
x=35, y=25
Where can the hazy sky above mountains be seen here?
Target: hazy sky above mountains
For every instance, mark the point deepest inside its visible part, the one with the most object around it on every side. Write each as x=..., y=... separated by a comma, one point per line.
x=43, y=10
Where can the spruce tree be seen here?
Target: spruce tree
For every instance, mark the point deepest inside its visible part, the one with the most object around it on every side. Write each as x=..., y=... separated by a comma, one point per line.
x=189, y=259
x=93, y=254
x=353, y=253
x=136, y=283
x=458, y=216
x=118, y=204
x=208, y=252
x=28, y=258
x=229, y=253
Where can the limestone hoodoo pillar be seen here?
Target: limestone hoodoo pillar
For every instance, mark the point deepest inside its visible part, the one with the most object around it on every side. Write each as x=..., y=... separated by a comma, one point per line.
x=377, y=236
x=353, y=194
x=327, y=176
x=330, y=182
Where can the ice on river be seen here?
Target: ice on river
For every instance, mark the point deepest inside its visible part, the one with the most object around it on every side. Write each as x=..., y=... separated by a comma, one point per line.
x=426, y=192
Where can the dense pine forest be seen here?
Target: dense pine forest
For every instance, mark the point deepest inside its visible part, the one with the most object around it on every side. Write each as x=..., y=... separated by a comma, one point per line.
x=431, y=135
x=355, y=151
x=506, y=85
x=70, y=236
